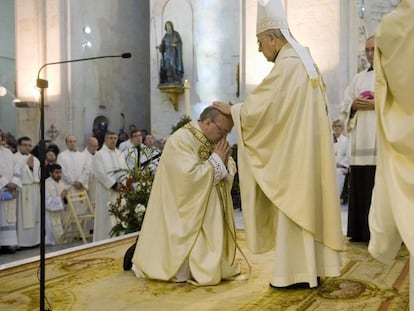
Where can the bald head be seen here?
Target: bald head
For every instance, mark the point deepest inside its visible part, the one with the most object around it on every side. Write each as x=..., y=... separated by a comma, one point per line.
x=92, y=145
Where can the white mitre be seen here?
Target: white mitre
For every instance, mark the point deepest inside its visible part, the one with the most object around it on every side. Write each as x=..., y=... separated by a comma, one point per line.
x=271, y=15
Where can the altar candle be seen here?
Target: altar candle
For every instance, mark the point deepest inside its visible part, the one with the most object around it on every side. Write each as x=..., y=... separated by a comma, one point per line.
x=187, y=97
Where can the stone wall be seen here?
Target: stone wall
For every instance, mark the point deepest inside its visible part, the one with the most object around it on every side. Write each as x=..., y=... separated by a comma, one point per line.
x=7, y=66
x=49, y=31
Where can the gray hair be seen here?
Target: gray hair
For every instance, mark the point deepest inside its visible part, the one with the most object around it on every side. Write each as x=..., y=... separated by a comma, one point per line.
x=276, y=32
x=209, y=113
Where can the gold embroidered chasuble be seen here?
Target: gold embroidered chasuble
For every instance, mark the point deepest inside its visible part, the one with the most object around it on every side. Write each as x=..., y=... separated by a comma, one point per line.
x=188, y=217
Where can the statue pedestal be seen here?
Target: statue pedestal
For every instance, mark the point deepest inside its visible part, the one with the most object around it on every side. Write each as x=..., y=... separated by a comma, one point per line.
x=173, y=90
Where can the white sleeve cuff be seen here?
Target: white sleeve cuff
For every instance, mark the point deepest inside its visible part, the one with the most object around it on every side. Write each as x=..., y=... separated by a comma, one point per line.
x=220, y=170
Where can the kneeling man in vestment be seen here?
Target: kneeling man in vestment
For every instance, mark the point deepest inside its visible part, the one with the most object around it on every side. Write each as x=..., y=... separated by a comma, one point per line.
x=188, y=234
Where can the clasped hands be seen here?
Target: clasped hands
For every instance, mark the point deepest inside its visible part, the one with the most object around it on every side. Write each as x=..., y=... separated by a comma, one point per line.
x=222, y=149
x=363, y=103
x=11, y=188
x=30, y=161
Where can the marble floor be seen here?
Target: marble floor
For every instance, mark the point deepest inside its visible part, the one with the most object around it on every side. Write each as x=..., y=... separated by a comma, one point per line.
x=23, y=254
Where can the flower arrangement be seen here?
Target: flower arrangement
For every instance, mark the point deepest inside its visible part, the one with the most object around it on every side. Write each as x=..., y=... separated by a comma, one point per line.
x=130, y=206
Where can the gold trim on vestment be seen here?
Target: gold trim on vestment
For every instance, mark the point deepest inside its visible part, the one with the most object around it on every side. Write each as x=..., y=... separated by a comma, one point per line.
x=204, y=153
x=206, y=148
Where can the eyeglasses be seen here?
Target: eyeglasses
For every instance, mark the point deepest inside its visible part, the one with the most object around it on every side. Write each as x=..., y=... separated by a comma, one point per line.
x=224, y=131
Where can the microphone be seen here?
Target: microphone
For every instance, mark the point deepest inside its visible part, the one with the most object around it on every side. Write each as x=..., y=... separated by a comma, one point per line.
x=151, y=159
x=43, y=85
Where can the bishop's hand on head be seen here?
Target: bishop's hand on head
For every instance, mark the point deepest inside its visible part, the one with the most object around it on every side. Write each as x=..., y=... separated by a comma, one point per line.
x=224, y=108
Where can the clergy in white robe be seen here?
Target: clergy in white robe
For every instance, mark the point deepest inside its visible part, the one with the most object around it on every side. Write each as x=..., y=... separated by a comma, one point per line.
x=153, y=151
x=55, y=194
x=137, y=150
x=90, y=151
x=128, y=143
x=28, y=195
x=357, y=110
x=108, y=166
x=131, y=149
x=148, y=156
x=9, y=180
x=286, y=163
x=188, y=233
x=391, y=217
x=75, y=171
x=341, y=153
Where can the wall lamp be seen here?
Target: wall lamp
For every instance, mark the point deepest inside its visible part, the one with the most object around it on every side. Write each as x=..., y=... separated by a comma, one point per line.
x=4, y=92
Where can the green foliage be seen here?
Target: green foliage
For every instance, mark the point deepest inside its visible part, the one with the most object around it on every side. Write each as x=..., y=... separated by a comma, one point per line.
x=183, y=121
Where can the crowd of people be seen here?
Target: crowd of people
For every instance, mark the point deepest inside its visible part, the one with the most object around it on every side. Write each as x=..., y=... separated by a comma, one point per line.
x=90, y=169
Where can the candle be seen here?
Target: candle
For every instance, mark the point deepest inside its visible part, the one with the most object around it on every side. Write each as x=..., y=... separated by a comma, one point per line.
x=187, y=97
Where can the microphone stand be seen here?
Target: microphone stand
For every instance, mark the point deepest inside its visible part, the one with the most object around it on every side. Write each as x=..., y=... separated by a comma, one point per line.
x=43, y=84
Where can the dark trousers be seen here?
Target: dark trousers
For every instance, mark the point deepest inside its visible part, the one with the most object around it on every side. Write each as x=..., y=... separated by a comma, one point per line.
x=360, y=191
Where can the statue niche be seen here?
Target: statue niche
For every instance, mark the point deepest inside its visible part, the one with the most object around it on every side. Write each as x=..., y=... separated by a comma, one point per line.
x=171, y=67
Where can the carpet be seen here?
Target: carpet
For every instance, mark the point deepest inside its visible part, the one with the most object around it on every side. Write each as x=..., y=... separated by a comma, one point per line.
x=93, y=279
